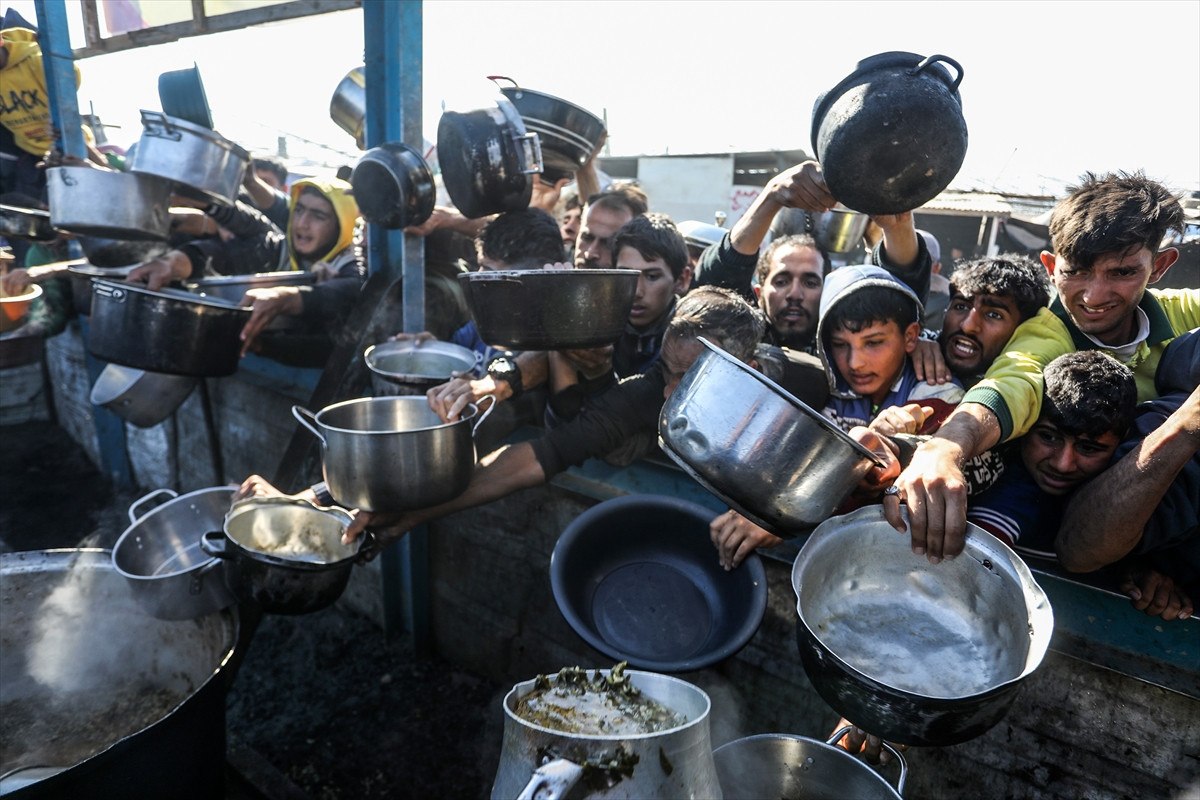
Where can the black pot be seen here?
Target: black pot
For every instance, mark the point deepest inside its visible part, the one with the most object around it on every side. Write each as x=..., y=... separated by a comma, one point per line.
x=487, y=158
x=26, y=223
x=393, y=186
x=81, y=283
x=170, y=331
x=569, y=135
x=105, y=252
x=891, y=135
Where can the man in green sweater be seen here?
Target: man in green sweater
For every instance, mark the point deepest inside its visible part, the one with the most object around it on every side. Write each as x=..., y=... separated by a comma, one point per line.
x=1106, y=236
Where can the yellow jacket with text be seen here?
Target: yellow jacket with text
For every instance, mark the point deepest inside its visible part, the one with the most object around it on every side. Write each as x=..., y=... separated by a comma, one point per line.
x=24, y=102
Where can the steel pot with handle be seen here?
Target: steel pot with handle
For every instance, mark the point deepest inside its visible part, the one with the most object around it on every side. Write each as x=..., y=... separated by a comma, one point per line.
x=203, y=163
x=393, y=454
x=795, y=767
x=170, y=330
x=488, y=159
x=393, y=186
x=348, y=106
x=123, y=205
x=159, y=554
x=771, y=457
x=544, y=763
x=233, y=288
x=569, y=135
x=410, y=368
x=913, y=652
x=839, y=230
x=891, y=135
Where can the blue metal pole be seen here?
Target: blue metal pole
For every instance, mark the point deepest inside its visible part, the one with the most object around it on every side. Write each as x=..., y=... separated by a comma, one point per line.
x=59, y=66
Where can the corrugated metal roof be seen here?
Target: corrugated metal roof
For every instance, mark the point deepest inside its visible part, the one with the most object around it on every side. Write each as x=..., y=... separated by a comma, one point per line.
x=992, y=204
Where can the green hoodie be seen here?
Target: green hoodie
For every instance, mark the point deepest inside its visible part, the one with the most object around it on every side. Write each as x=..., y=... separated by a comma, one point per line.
x=24, y=102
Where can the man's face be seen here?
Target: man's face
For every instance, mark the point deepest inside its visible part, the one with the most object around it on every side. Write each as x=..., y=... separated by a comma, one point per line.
x=268, y=177
x=975, y=331
x=677, y=356
x=1059, y=461
x=870, y=360
x=594, y=246
x=655, y=289
x=1101, y=299
x=314, y=226
x=791, y=294
x=569, y=226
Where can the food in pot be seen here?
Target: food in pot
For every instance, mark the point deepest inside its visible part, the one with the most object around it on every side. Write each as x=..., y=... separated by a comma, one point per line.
x=604, y=705
x=308, y=542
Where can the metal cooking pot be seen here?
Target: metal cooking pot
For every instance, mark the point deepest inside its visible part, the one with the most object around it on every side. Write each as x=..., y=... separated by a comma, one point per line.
x=569, y=135
x=916, y=653
x=122, y=205
x=165, y=331
x=839, y=230
x=81, y=283
x=283, y=554
x=141, y=398
x=771, y=457
x=891, y=135
x=550, y=309
x=26, y=223
x=124, y=253
x=411, y=368
x=348, y=106
x=487, y=158
x=669, y=764
x=232, y=288
x=160, y=558
x=182, y=95
x=205, y=164
x=100, y=699
x=784, y=765
x=393, y=186
x=392, y=454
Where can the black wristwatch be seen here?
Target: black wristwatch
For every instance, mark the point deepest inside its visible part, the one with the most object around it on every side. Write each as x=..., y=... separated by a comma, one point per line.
x=504, y=368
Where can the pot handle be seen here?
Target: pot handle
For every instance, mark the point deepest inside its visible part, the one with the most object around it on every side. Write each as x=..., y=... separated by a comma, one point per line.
x=532, y=146
x=308, y=420
x=496, y=78
x=214, y=543
x=197, y=583
x=896, y=754
x=491, y=407
x=552, y=780
x=136, y=505
x=156, y=123
x=935, y=58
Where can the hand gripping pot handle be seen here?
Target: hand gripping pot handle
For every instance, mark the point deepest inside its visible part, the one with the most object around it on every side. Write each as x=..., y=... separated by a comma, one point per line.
x=308, y=420
x=491, y=407
x=896, y=754
x=136, y=506
x=935, y=58
x=552, y=780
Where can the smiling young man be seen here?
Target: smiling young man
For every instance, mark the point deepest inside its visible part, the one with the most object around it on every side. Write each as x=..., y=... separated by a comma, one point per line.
x=1107, y=236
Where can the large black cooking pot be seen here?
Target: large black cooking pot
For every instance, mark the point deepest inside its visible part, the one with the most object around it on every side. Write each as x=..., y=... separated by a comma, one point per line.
x=81, y=282
x=917, y=653
x=104, y=252
x=488, y=159
x=100, y=699
x=393, y=186
x=170, y=330
x=569, y=135
x=891, y=135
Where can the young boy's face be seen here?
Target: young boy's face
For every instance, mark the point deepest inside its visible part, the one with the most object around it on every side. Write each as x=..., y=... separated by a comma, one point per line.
x=656, y=286
x=871, y=359
x=1059, y=461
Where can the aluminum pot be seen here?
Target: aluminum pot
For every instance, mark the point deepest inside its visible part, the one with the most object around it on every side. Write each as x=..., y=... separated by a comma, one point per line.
x=102, y=699
x=159, y=554
x=392, y=454
x=348, y=106
x=569, y=135
x=916, y=653
x=669, y=764
x=839, y=230
x=170, y=330
x=141, y=398
x=284, y=555
x=400, y=368
x=393, y=186
x=124, y=253
x=771, y=457
x=81, y=283
x=891, y=135
x=487, y=159
x=550, y=309
x=785, y=765
x=123, y=205
x=205, y=164
x=26, y=223
x=232, y=288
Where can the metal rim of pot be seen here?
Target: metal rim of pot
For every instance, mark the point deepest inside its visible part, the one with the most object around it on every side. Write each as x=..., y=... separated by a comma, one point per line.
x=348, y=105
x=81, y=283
x=129, y=206
x=844, y=760
x=14, y=309
x=169, y=330
x=393, y=186
x=181, y=93
x=487, y=159
x=376, y=355
x=898, y=714
x=203, y=163
x=564, y=129
x=26, y=223
x=250, y=505
x=550, y=309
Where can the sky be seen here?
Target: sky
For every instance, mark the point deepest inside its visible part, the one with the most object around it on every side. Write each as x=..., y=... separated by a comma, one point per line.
x=1050, y=89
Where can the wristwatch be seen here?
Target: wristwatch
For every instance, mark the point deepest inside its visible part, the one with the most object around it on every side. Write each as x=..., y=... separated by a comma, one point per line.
x=504, y=368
